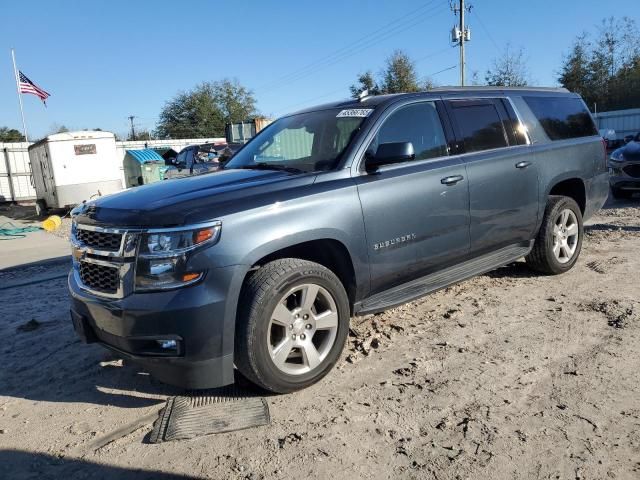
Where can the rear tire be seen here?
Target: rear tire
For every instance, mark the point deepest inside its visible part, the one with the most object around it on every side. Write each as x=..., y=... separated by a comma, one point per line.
x=620, y=194
x=292, y=325
x=559, y=241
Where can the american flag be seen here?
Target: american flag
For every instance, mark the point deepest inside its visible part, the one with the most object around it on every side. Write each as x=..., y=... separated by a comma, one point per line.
x=27, y=86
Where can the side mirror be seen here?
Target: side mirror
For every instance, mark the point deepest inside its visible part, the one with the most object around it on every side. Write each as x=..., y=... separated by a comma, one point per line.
x=389, y=153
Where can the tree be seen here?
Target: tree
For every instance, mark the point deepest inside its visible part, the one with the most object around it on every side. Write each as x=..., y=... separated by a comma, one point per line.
x=366, y=81
x=398, y=76
x=205, y=110
x=509, y=70
x=235, y=101
x=10, y=135
x=574, y=74
x=606, y=70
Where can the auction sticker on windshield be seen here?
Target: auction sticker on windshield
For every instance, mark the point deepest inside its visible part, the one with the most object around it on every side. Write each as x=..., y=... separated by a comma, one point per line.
x=355, y=112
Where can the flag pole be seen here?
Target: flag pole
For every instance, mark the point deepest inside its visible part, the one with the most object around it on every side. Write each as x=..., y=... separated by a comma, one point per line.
x=15, y=73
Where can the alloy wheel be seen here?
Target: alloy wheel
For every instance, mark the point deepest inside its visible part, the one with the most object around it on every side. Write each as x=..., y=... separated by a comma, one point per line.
x=565, y=235
x=302, y=329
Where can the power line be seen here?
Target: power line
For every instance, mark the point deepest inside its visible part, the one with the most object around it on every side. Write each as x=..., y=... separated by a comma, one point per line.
x=330, y=56
x=353, y=50
x=486, y=30
x=419, y=59
x=443, y=70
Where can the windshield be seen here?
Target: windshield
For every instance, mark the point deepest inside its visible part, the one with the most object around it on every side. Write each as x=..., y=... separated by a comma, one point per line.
x=306, y=142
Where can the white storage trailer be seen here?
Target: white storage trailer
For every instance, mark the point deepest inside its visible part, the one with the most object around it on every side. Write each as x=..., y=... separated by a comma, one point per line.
x=74, y=166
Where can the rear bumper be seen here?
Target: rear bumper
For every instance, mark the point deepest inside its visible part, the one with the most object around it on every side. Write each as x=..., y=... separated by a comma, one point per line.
x=200, y=319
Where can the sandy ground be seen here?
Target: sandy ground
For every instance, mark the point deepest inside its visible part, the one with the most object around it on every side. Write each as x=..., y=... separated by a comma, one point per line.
x=508, y=375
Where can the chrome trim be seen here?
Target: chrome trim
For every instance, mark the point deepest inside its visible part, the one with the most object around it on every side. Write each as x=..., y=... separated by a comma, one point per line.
x=125, y=258
x=122, y=230
x=524, y=127
x=125, y=274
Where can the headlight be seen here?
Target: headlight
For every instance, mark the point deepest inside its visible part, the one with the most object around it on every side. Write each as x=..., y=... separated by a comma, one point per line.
x=163, y=256
x=616, y=156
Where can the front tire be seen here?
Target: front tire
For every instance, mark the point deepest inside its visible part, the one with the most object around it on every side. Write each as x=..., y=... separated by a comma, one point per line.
x=559, y=241
x=292, y=325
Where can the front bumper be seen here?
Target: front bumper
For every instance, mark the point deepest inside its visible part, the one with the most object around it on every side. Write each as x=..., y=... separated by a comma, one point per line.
x=199, y=318
x=625, y=175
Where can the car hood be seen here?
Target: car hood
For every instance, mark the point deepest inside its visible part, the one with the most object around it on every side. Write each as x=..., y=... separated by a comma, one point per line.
x=190, y=200
x=630, y=152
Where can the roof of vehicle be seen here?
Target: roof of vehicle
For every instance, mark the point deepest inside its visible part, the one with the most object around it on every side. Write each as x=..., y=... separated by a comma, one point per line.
x=145, y=155
x=375, y=100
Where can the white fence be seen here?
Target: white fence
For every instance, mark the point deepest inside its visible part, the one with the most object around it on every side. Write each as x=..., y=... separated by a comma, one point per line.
x=15, y=173
x=15, y=168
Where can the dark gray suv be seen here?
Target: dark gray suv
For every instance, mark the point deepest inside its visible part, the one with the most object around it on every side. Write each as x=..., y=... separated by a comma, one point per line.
x=344, y=209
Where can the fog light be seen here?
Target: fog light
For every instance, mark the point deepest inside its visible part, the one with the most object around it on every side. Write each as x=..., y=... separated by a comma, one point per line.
x=168, y=344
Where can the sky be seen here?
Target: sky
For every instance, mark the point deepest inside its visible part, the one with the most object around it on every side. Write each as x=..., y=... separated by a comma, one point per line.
x=102, y=61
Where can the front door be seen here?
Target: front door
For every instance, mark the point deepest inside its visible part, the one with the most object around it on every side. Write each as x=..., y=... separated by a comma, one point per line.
x=416, y=214
x=503, y=175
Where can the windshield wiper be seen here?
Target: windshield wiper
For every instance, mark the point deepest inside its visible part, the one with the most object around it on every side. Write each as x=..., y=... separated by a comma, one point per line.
x=271, y=166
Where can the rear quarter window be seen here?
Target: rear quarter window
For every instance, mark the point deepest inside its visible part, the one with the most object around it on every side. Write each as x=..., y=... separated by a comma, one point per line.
x=562, y=117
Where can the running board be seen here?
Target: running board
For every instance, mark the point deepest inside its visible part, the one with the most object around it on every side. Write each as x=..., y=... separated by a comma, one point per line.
x=429, y=283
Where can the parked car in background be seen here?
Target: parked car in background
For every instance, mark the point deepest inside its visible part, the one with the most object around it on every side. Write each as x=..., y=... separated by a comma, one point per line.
x=348, y=208
x=624, y=169
x=630, y=138
x=199, y=159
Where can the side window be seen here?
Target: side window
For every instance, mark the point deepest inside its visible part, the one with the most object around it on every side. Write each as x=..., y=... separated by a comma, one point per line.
x=562, y=117
x=480, y=125
x=419, y=124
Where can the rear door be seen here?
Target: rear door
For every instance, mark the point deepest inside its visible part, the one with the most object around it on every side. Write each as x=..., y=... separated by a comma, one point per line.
x=414, y=222
x=502, y=172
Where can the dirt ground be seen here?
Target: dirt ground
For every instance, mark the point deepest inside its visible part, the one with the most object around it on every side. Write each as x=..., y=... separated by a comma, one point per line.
x=508, y=375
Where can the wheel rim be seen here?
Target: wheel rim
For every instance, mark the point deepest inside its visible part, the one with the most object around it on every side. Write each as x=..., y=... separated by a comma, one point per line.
x=565, y=236
x=302, y=329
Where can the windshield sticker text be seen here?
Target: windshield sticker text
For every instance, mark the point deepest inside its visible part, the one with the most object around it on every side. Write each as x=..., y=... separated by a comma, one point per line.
x=355, y=112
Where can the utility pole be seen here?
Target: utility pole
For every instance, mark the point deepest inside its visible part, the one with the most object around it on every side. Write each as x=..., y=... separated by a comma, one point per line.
x=462, y=62
x=461, y=34
x=133, y=132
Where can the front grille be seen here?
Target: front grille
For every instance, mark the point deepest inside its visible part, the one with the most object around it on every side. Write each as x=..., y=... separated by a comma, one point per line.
x=99, y=240
x=632, y=170
x=99, y=277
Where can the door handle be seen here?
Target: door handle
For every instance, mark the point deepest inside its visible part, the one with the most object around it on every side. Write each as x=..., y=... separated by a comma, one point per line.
x=451, y=180
x=522, y=164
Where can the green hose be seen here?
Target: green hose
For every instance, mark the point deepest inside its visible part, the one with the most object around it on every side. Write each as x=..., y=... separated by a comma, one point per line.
x=13, y=231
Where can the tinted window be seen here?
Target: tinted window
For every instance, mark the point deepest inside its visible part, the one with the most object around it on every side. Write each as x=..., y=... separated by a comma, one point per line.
x=419, y=124
x=480, y=126
x=562, y=117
